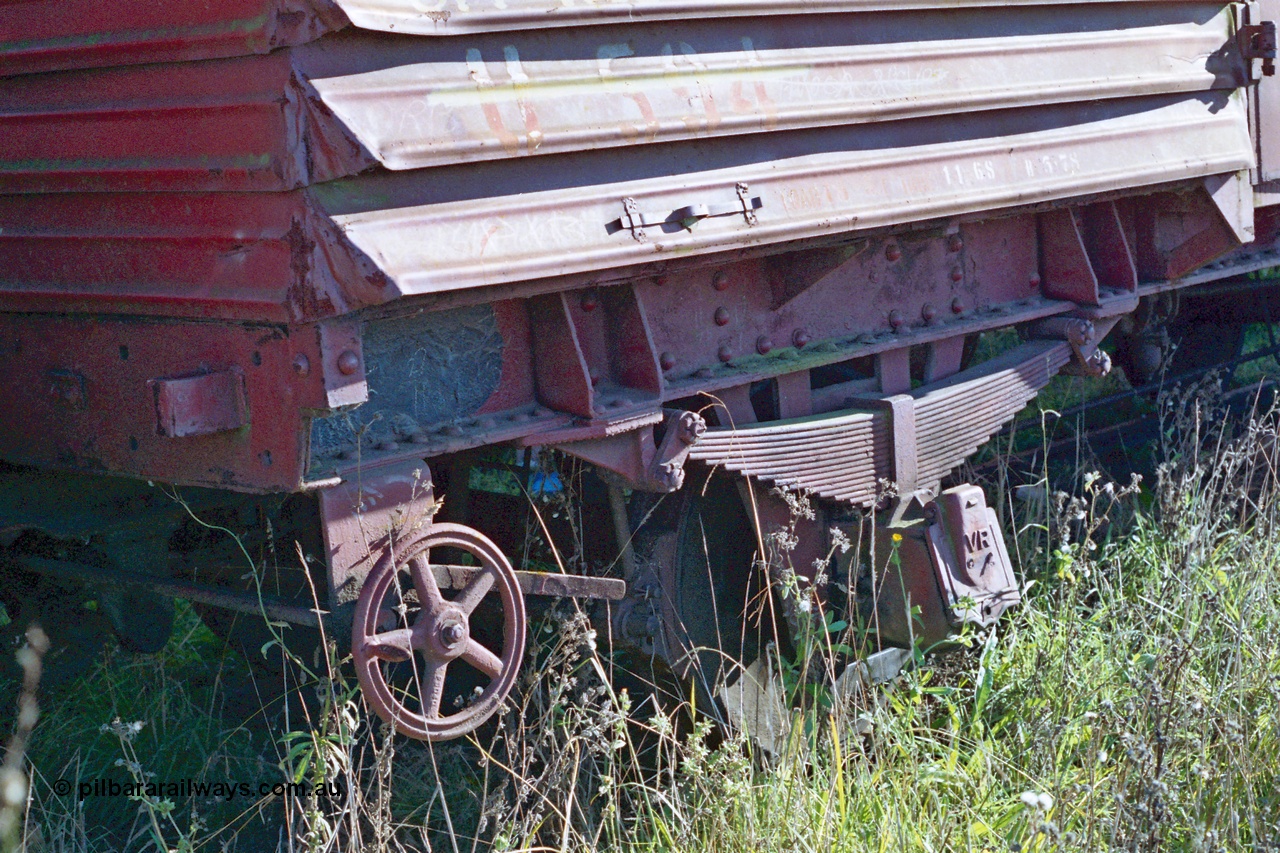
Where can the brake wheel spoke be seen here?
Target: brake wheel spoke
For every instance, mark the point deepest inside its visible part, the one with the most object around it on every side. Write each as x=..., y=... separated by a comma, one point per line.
x=482, y=659
x=392, y=646
x=474, y=591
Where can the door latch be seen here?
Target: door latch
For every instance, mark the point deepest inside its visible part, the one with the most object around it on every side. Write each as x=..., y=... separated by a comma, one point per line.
x=636, y=221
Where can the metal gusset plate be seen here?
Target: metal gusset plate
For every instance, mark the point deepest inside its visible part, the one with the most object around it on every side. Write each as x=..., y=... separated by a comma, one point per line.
x=408, y=637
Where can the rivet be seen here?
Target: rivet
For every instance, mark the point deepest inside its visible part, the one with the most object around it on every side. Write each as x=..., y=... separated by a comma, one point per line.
x=725, y=354
x=957, y=306
x=892, y=252
x=896, y=320
x=660, y=280
x=590, y=301
x=800, y=339
x=957, y=274
x=720, y=281
x=301, y=364
x=954, y=243
x=722, y=316
x=348, y=363
x=764, y=345
x=667, y=361
x=1034, y=281
x=928, y=312
x=594, y=374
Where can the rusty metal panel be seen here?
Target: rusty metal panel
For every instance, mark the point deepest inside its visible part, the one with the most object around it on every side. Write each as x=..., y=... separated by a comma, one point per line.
x=50, y=35
x=562, y=92
x=352, y=100
x=454, y=17
x=362, y=241
x=247, y=123
x=429, y=235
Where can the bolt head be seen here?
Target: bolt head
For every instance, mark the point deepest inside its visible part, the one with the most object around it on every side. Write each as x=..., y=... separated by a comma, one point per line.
x=452, y=634
x=764, y=345
x=301, y=364
x=348, y=363
x=721, y=316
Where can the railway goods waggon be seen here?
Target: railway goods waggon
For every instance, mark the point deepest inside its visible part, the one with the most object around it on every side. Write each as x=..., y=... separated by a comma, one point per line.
x=321, y=272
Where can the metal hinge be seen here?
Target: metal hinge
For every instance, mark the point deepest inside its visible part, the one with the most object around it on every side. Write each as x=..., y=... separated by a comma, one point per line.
x=1258, y=41
x=636, y=221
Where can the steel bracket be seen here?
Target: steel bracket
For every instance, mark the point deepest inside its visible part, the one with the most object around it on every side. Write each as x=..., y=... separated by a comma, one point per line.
x=363, y=513
x=1258, y=41
x=637, y=460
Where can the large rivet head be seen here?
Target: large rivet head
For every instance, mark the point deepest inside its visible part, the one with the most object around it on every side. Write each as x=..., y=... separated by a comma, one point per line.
x=721, y=316
x=667, y=360
x=725, y=354
x=348, y=363
x=893, y=252
x=928, y=312
x=896, y=320
x=957, y=306
x=720, y=281
x=954, y=243
x=957, y=274
x=800, y=339
x=764, y=345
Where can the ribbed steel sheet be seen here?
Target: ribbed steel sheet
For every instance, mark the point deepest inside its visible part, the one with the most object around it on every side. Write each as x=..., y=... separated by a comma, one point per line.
x=51, y=35
x=345, y=244
x=351, y=101
x=452, y=17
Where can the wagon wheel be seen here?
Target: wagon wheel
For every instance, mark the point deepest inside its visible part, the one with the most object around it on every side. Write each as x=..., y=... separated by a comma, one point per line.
x=407, y=634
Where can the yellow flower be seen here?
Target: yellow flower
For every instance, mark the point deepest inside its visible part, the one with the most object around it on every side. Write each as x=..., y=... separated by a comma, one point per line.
x=897, y=537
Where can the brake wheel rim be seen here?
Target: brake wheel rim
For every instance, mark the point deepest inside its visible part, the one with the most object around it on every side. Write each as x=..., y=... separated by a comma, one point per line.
x=439, y=637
